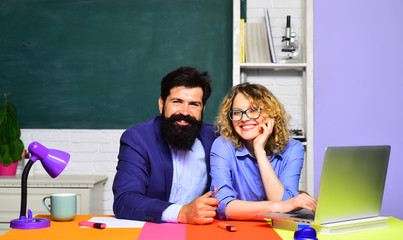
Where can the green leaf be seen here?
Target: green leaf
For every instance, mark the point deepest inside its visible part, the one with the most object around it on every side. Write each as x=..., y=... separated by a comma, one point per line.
x=12, y=109
x=16, y=148
x=3, y=149
x=13, y=130
x=2, y=113
x=3, y=134
x=6, y=160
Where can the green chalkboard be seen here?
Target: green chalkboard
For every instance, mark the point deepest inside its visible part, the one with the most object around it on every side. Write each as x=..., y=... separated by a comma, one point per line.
x=98, y=64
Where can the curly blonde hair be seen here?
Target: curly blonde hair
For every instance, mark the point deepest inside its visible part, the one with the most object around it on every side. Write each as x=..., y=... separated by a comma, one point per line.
x=258, y=96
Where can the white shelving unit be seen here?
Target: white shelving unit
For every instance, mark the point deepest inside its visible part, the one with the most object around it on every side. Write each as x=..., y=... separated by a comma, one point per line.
x=263, y=72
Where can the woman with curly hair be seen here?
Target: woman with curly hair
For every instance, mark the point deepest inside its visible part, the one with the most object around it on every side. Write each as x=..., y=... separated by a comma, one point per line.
x=255, y=164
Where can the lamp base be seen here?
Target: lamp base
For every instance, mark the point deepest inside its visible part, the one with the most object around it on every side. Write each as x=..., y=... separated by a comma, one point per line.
x=29, y=223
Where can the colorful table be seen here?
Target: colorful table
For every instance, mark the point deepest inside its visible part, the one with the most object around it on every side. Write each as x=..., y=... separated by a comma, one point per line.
x=246, y=230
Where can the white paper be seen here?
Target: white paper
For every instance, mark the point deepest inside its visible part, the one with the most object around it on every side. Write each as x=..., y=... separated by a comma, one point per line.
x=112, y=222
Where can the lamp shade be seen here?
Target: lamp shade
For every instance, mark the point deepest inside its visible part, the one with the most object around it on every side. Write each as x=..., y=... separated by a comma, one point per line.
x=53, y=161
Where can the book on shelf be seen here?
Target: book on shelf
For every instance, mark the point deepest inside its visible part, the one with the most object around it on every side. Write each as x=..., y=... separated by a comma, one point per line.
x=242, y=41
x=265, y=51
x=270, y=36
x=249, y=43
x=256, y=43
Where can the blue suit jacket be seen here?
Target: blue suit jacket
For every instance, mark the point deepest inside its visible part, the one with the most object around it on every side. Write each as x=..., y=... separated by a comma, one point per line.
x=143, y=179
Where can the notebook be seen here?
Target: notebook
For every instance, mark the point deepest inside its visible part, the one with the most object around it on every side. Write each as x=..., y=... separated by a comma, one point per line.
x=351, y=187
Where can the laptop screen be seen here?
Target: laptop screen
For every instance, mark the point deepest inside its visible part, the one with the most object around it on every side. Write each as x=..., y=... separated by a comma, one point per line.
x=352, y=184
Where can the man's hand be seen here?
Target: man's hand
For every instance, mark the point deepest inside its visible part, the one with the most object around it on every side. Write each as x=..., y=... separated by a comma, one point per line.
x=202, y=210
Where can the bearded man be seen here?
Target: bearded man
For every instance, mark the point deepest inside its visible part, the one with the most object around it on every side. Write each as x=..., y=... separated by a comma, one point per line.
x=164, y=163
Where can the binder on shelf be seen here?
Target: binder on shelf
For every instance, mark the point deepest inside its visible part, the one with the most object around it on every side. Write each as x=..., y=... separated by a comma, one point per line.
x=242, y=41
x=270, y=36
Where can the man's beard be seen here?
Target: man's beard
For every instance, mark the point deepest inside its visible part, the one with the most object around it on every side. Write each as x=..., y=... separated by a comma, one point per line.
x=178, y=136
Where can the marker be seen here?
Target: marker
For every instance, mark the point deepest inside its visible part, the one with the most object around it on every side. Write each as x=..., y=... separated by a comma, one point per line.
x=227, y=227
x=212, y=190
x=92, y=224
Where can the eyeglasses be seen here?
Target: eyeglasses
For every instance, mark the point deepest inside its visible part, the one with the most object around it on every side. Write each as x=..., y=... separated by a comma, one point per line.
x=251, y=113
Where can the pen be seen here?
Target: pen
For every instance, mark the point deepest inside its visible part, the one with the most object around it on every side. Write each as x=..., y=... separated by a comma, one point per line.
x=227, y=227
x=92, y=224
x=212, y=190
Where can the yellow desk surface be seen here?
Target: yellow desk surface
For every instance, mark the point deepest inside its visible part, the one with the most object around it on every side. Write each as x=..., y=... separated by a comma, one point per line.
x=393, y=232
x=71, y=230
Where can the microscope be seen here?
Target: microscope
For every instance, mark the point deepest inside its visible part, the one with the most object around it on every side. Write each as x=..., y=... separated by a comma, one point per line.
x=293, y=46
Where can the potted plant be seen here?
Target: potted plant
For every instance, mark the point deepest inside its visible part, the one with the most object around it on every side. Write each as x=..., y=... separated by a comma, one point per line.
x=11, y=146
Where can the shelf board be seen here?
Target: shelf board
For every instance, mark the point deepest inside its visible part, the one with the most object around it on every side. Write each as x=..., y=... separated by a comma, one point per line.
x=274, y=66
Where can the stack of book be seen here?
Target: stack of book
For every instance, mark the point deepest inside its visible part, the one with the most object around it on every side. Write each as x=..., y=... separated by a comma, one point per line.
x=257, y=45
x=257, y=41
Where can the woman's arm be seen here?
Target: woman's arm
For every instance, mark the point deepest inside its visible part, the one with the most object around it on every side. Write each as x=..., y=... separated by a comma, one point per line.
x=274, y=189
x=244, y=210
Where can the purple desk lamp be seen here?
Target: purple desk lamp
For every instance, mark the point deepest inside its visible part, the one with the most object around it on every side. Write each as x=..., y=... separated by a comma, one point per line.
x=54, y=162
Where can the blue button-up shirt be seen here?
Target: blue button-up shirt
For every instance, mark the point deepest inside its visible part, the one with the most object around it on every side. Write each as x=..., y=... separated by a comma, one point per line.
x=236, y=172
x=189, y=179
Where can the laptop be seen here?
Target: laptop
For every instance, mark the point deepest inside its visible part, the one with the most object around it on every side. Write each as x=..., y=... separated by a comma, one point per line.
x=351, y=187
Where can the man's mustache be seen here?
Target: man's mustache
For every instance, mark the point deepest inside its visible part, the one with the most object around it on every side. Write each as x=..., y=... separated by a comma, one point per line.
x=180, y=117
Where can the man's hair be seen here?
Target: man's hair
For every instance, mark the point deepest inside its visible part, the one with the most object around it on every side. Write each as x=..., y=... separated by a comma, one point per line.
x=186, y=77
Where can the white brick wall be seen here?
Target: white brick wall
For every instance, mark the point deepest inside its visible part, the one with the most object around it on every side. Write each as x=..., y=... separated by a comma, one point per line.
x=93, y=152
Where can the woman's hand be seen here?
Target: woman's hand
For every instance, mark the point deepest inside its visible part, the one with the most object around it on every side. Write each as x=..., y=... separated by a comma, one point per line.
x=260, y=141
x=302, y=200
